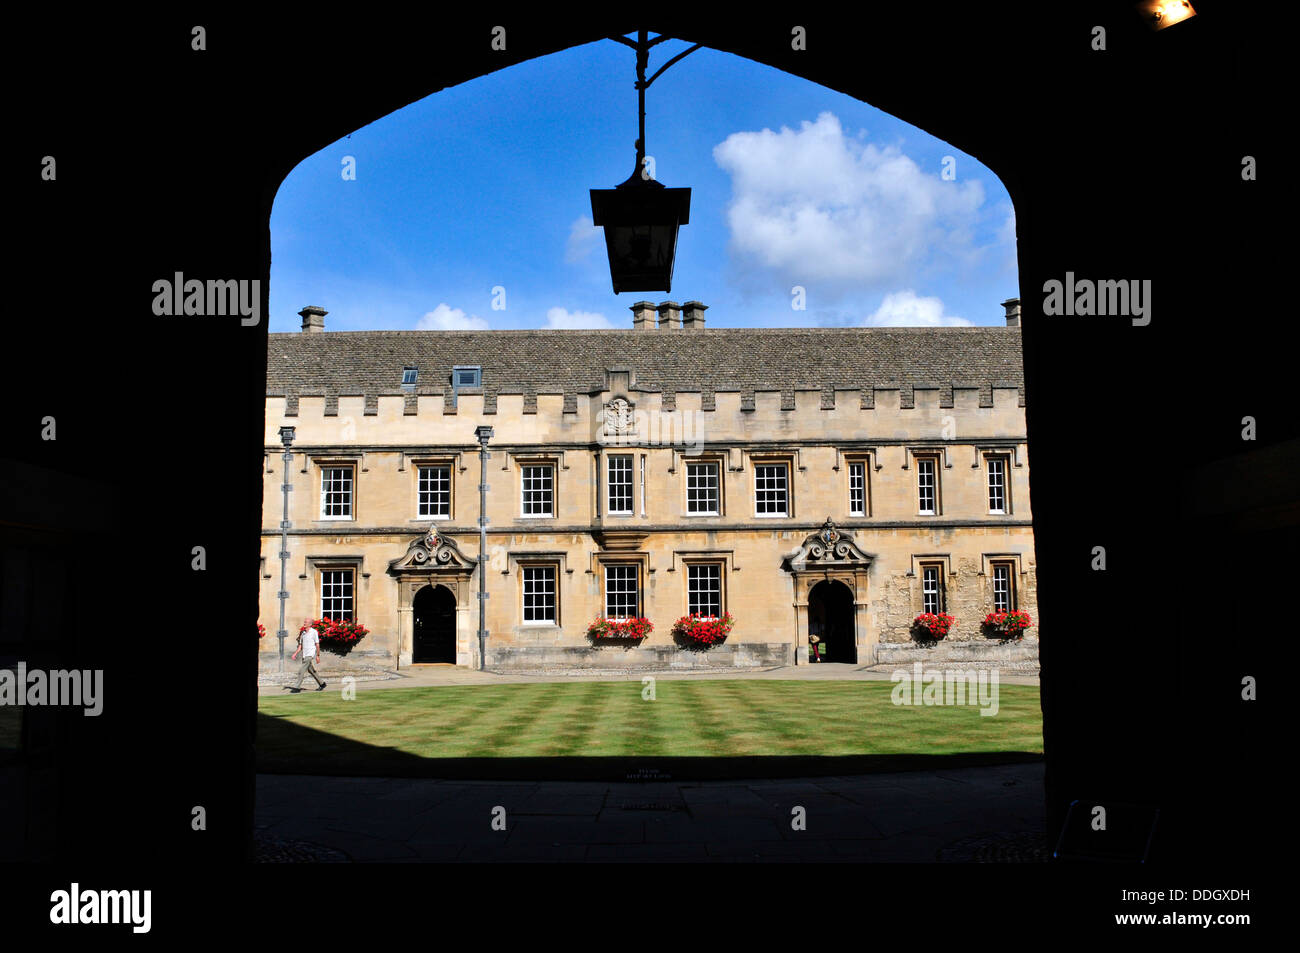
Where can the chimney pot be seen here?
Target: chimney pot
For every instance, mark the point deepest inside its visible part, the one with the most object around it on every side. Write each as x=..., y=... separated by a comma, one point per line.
x=643, y=315
x=313, y=319
x=1013, y=312
x=693, y=314
x=670, y=315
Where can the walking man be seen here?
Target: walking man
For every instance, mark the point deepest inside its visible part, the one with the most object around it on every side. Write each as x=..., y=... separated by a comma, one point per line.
x=309, y=646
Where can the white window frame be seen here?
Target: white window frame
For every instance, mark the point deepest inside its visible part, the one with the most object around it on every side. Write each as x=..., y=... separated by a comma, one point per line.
x=937, y=570
x=524, y=469
x=350, y=593
x=785, y=469
x=626, y=463
x=617, y=577
x=419, y=490
x=692, y=590
x=526, y=572
x=350, y=498
x=858, y=472
x=924, y=464
x=1010, y=593
x=1001, y=487
x=716, y=467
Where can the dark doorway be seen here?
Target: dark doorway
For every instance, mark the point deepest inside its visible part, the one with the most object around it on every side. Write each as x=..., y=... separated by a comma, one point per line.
x=830, y=616
x=434, y=611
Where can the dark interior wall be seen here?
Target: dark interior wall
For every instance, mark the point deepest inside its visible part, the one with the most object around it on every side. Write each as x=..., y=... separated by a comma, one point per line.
x=1122, y=164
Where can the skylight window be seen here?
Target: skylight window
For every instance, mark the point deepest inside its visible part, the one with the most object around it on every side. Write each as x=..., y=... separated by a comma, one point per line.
x=465, y=376
x=408, y=376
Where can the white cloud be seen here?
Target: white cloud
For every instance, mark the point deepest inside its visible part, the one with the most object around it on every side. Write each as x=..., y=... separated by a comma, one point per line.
x=814, y=206
x=446, y=318
x=903, y=309
x=562, y=318
x=583, y=237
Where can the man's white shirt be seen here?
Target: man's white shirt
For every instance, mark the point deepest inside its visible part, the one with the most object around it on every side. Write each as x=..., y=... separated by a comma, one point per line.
x=310, y=641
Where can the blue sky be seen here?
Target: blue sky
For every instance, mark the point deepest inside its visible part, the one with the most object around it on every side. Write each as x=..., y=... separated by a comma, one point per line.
x=486, y=185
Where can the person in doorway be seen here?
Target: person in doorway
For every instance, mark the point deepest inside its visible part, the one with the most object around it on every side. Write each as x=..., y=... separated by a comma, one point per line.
x=309, y=646
x=816, y=647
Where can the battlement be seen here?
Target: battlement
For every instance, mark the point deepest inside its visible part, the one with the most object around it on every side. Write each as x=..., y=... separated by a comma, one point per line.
x=638, y=417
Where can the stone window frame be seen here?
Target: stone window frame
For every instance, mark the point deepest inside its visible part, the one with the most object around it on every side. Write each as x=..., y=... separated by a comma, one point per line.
x=1006, y=457
x=631, y=456
x=862, y=458
x=636, y=566
x=788, y=460
x=523, y=460
x=1010, y=568
x=936, y=459
x=1015, y=560
x=719, y=462
x=721, y=562
x=322, y=463
x=315, y=570
x=450, y=462
x=946, y=579
x=523, y=564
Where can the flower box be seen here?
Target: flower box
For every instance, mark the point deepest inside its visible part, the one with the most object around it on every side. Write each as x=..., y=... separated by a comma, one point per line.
x=696, y=629
x=609, y=630
x=933, y=625
x=1006, y=625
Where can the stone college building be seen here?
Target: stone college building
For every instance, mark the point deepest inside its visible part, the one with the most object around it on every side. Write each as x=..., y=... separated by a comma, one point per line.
x=830, y=480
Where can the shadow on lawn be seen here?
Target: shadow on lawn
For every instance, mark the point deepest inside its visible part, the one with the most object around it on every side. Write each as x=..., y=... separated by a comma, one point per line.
x=284, y=747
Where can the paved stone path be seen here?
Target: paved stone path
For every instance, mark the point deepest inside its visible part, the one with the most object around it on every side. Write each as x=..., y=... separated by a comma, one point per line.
x=436, y=675
x=986, y=813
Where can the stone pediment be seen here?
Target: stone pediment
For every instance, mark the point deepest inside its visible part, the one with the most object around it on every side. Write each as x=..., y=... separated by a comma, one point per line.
x=829, y=547
x=432, y=552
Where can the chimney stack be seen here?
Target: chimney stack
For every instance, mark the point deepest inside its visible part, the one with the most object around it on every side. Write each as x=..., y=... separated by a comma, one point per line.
x=670, y=315
x=643, y=315
x=1013, y=312
x=313, y=319
x=693, y=315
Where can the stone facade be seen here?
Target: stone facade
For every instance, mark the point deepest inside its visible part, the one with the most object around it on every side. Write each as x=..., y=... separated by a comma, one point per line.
x=818, y=442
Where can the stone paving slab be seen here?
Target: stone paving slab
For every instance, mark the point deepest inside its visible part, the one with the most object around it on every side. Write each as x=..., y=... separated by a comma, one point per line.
x=898, y=817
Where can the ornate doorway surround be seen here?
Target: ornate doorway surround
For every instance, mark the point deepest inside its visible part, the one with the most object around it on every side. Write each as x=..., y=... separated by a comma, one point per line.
x=831, y=554
x=433, y=559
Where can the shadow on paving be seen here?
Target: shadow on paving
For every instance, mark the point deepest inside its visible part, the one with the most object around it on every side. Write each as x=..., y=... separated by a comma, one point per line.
x=284, y=747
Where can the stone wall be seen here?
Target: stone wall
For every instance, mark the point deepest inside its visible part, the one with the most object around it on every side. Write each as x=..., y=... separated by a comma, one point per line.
x=968, y=598
x=1012, y=655
x=660, y=658
x=357, y=661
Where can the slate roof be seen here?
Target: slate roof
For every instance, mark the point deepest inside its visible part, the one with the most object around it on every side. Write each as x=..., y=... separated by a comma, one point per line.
x=570, y=362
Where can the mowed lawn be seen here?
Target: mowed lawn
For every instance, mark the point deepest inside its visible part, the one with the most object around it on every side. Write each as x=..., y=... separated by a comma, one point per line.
x=687, y=718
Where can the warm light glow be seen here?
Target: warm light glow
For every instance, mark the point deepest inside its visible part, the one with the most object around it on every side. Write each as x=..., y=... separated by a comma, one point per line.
x=1165, y=13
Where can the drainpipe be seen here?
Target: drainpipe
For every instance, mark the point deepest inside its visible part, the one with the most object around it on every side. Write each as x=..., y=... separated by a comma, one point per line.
x=484, y=434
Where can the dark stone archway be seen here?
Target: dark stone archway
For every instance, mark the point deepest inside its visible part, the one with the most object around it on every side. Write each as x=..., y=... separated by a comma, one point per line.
x=831, y=617
x=1028, y=84
x=434, y=619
